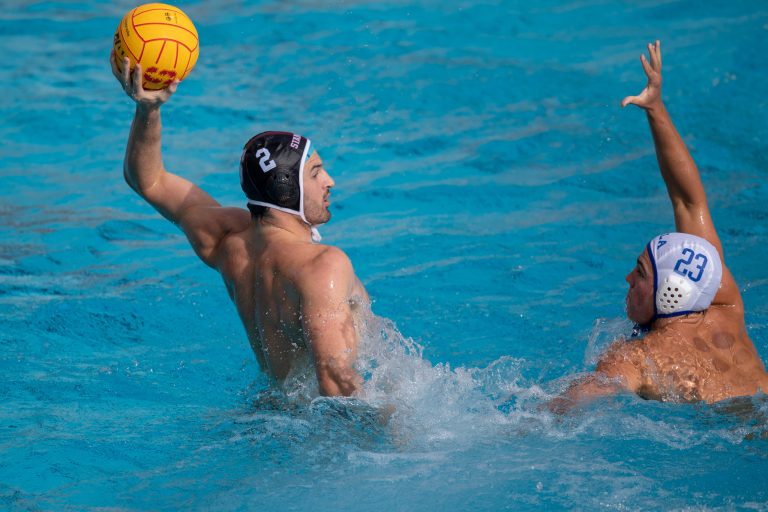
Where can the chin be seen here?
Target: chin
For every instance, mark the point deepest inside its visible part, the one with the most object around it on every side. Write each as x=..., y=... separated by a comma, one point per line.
x=634, y=317
x=319, y=220
x=645, y=320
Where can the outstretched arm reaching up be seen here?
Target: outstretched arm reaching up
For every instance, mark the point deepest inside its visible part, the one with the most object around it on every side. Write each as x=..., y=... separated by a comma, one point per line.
x=681, y=176
x=677, y=167
x=201, y=218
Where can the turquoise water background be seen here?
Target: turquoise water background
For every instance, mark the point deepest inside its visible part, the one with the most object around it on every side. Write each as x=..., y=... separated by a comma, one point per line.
x=491, y=194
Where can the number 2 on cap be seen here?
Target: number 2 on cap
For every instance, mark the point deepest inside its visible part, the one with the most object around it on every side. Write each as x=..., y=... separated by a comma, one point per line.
x=691, y=257
x=264, y=162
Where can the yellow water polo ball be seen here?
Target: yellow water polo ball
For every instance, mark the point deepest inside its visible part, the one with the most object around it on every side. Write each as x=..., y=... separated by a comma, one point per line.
x=162, y=39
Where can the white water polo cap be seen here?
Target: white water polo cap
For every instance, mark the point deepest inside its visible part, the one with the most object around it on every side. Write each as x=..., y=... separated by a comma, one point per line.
x=687, y=271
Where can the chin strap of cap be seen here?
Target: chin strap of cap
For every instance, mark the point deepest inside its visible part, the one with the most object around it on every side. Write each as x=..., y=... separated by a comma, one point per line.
x=313, y=229
x=314, y=233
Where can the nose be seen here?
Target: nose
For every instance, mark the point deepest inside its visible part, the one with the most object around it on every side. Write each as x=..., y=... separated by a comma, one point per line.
x=330, y=183
x=628, y=279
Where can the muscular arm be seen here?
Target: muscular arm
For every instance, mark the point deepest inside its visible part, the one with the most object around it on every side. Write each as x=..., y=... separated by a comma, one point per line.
x=201, y=218
x=328, y=323
x=620, y=369
x=681, y=176
x=679, y=171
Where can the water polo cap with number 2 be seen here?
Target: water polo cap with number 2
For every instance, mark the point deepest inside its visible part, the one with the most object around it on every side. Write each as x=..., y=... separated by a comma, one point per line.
x=272, y=172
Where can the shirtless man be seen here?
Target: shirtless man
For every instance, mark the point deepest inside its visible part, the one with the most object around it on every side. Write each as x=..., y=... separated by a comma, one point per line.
x=299, y=301
x=696, y=347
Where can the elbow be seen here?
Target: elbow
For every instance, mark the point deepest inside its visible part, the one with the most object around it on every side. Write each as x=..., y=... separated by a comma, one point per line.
x=138, y=184
x=128, y=177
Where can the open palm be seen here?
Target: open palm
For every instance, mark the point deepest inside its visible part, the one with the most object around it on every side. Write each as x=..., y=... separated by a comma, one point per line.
x=651, y=95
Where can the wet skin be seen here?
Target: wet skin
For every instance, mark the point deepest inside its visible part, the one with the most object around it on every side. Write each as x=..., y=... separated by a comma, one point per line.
x=267, y=270
x=300, y=302
x=703, y=356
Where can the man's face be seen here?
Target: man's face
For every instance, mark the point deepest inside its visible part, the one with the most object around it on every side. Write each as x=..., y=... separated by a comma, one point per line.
x=317, y=190
x=640, y=297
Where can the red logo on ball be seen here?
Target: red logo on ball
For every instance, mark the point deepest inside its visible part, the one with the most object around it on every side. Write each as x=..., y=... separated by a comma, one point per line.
x=157, y=76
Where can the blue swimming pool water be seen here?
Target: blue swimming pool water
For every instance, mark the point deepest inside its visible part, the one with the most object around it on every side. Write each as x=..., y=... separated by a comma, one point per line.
x=491, y=195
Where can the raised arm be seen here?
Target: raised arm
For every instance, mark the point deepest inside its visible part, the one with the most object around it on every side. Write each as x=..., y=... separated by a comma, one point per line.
x=679, y=171
x=328, y=322
x=201, y=218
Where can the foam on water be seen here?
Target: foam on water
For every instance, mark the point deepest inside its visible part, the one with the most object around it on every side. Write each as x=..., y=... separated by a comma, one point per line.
x=409, y=406
x=418, y=404
x=455, y=431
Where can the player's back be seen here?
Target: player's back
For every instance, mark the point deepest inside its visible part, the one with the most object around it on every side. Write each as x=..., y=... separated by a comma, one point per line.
x=705, y=356
x=263, y=271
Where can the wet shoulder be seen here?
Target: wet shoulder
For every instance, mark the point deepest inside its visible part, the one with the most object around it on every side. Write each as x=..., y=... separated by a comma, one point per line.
x=325, y=264
x=720, y=329
x=622, y=353
x=330, y=259
x=716, y=341
x=725, y=316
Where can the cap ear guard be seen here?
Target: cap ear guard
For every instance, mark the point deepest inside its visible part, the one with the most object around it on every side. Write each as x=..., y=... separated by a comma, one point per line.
x=279, y=186
x=282, y=188
x=674, y=294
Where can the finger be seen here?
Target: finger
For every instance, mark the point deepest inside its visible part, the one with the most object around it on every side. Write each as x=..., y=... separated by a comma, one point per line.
x=126, y=78
x=113, y=63
x=646, y=66
x=658, y=52
x=168, y=91
x=172, y=88
x=137, y=88
x=654, y=56
x=629, y=99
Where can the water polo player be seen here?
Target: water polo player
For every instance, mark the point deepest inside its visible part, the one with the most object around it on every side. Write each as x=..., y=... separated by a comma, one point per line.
x=696, y=346
x=299, y=301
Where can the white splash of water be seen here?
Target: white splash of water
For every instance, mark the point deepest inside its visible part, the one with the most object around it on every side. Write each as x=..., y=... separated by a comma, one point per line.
x=604, y=332
x=420, y=403
x=408, y=403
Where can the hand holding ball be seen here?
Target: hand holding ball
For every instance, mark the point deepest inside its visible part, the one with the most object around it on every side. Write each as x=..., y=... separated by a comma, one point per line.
x=162, y=39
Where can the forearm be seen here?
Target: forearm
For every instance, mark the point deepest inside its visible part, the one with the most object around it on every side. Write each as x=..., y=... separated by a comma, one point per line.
x=583, y=391
x=677, y=167
x=143, y=164
x=338, y=380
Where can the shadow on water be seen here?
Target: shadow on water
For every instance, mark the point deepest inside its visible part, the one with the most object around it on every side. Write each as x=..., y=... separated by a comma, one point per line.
x=748, y=416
